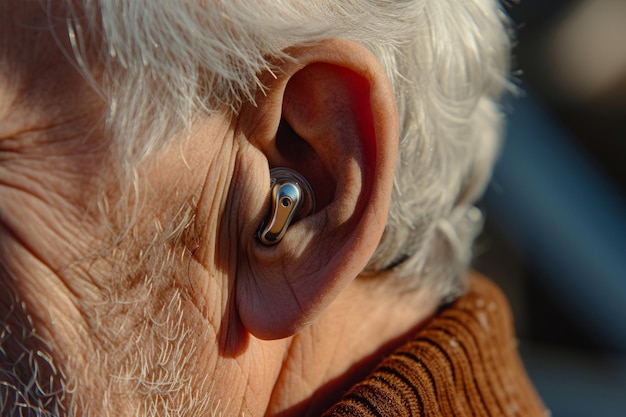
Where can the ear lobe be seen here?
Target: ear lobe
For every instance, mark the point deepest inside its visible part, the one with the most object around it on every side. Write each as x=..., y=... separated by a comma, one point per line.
x=333, y=119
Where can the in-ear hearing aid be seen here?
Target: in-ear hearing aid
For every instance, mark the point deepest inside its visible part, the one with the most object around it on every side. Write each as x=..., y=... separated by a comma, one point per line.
x=291, y=199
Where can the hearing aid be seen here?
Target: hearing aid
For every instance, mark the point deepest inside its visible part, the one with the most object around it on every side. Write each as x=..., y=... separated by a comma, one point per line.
x=291, y=199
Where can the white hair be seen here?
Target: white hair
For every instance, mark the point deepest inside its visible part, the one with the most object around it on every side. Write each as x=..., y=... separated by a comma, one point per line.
x=30, y=381
x=168, y=62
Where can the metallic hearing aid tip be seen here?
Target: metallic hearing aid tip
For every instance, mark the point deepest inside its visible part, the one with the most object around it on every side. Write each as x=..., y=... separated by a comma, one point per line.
x=291, y=199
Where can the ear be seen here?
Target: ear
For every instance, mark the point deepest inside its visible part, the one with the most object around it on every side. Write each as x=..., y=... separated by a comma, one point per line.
x=329, y=114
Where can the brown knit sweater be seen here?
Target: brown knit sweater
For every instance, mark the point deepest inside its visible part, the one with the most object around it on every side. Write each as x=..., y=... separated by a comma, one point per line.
x=464, y=362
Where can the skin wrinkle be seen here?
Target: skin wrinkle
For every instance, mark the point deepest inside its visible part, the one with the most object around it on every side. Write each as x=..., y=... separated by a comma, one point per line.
x=44, y=313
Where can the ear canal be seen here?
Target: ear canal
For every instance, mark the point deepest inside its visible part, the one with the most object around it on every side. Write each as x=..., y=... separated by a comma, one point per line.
x=291, y=199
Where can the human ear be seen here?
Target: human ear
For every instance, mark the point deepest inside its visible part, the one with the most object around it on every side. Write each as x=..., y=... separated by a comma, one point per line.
x=329, y=114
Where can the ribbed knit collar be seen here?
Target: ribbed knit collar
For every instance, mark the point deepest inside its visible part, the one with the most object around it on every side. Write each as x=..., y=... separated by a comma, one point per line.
x=464, y=362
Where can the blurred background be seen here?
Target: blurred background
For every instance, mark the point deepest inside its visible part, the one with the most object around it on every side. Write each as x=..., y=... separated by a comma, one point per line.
x=555, y=238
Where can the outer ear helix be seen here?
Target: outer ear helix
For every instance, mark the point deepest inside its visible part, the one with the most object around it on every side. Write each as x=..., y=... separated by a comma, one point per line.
x=291, y=199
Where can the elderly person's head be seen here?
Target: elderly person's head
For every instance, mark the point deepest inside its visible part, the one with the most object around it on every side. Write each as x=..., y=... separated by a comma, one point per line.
x=137, y=140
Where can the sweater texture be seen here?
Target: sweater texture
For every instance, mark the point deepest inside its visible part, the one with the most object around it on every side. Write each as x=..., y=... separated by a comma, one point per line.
x=463, y=362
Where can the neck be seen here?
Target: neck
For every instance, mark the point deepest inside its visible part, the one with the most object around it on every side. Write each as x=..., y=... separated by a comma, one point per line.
x=345, y=344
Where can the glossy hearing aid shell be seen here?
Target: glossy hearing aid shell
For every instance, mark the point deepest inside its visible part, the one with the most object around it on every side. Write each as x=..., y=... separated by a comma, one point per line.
x=291, y=199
